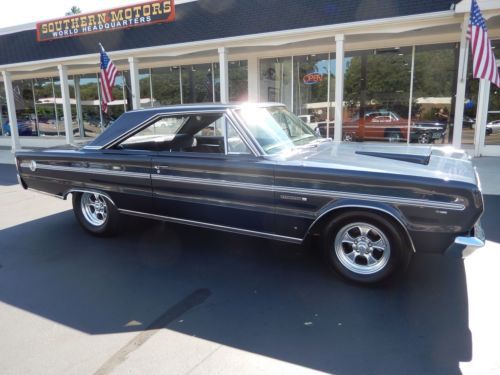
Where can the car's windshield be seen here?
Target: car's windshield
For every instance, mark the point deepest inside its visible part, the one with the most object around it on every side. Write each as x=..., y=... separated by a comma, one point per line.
x=276, y=129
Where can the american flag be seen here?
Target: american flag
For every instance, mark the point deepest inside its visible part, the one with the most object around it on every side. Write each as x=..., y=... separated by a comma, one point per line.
x=483, y=57
x=108, y=75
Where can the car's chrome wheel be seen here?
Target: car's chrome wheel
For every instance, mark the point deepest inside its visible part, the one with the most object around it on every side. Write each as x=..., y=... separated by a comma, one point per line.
x=94, y=208
x=424, y=138
x=362, y=248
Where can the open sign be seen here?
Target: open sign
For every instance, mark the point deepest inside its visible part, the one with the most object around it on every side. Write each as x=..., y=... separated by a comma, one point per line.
x=312, y=78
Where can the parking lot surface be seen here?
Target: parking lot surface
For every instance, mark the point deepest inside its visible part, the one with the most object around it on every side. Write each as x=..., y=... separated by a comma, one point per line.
x=163, y=298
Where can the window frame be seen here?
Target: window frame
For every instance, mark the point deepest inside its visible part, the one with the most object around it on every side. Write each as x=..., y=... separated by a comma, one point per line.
x=157, y=117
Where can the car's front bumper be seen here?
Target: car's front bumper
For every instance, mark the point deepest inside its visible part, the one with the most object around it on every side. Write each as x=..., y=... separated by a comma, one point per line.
x=466, y=245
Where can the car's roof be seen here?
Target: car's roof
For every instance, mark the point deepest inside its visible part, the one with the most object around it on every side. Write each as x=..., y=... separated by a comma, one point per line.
x=129, y=120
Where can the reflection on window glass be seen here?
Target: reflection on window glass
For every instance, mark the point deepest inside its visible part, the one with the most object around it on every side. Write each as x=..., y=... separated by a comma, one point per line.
x=145, y=87
x=312, y=76
x=235, y=144
x=434, y=87
x=238, y=81
x=160, y=131
x=90, y=108
x=493, y=118
x=166, y=86
x=198, y=83
x=4, y=117
x=376, y=93
x=275, y=128
x=492, y=126
x=46, y=107
x=25, y=109
x=276, y=80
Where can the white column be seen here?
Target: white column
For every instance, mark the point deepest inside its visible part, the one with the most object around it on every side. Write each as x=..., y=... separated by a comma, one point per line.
x=79, y=113
x=339, y=85
x=253, y=79
x=68, y=121
x=481, y=116
x=461, y=83
x=11, y=108
x=224, y=75
x=135, y=85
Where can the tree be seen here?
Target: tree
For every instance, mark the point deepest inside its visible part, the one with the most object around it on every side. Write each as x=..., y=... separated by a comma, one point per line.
x=74, y=10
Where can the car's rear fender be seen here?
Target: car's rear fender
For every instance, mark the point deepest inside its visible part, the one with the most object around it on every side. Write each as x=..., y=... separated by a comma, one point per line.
x=332, y=210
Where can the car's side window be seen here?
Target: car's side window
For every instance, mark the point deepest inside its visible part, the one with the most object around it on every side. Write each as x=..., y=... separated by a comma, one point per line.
x=159, y=133
x=209, y=133
x=235, y=144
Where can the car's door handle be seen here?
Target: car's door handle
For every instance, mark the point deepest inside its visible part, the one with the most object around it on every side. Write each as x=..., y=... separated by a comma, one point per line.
x=158, y=168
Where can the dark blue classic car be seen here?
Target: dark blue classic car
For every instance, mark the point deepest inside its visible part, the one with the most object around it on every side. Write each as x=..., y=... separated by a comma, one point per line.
x=258, y=170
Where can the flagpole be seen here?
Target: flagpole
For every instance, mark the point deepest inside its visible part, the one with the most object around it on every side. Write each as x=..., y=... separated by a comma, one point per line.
x=100, y=103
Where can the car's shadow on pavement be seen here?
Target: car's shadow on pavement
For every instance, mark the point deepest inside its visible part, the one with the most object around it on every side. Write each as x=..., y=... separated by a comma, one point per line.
x=264, y=297
x=7, y=175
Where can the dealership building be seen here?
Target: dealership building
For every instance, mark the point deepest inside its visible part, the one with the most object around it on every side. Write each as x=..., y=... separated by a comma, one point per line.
x=328, y=61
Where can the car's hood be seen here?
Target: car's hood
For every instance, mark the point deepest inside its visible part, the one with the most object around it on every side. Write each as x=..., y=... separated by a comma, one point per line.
x=444, y=163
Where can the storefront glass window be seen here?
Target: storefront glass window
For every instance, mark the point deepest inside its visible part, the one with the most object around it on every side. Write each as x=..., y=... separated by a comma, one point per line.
x=145, y=88
x=313, y=74
x=122, y=98
x=434, y=86
x=90, y=109
x=276, y=80
x=25, y=108
x=492, y=131
x=493, y=120
x=166, y=86
x=376, y=93
x=238, y=81
x=46, y=107
x=198, y=83
x=4, y=117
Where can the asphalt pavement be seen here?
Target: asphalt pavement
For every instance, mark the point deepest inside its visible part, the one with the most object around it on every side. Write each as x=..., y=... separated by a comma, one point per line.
x=164, y=298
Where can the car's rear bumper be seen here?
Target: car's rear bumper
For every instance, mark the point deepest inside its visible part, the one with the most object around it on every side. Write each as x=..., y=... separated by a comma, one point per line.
x=466, y=245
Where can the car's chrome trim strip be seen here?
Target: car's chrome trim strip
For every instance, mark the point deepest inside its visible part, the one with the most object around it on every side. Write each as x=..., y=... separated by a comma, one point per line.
x=108, y=172
x=223, y=228
x=311, y=192
x=262, y=187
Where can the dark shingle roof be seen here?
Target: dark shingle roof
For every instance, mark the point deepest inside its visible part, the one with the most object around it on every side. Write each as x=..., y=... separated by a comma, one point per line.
x=213, y=19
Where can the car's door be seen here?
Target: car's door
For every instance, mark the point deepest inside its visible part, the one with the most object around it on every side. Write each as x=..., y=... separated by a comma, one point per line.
x=125, y=175
x=215, y=180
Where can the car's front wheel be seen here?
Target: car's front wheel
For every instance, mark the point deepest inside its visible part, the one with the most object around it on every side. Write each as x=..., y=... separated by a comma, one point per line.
x=365, y=247
x=95, y=213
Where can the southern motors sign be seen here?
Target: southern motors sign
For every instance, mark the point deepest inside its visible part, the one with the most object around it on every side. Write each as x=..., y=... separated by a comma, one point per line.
x=107, y=20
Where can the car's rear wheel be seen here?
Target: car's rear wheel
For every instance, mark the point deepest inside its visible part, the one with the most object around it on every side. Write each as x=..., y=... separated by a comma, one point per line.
x=424, y=138
x=95, y=213
x=365, y=247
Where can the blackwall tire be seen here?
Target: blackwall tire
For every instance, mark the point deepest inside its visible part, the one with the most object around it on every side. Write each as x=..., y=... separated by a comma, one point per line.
x=96, y=214
x=365, y=247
